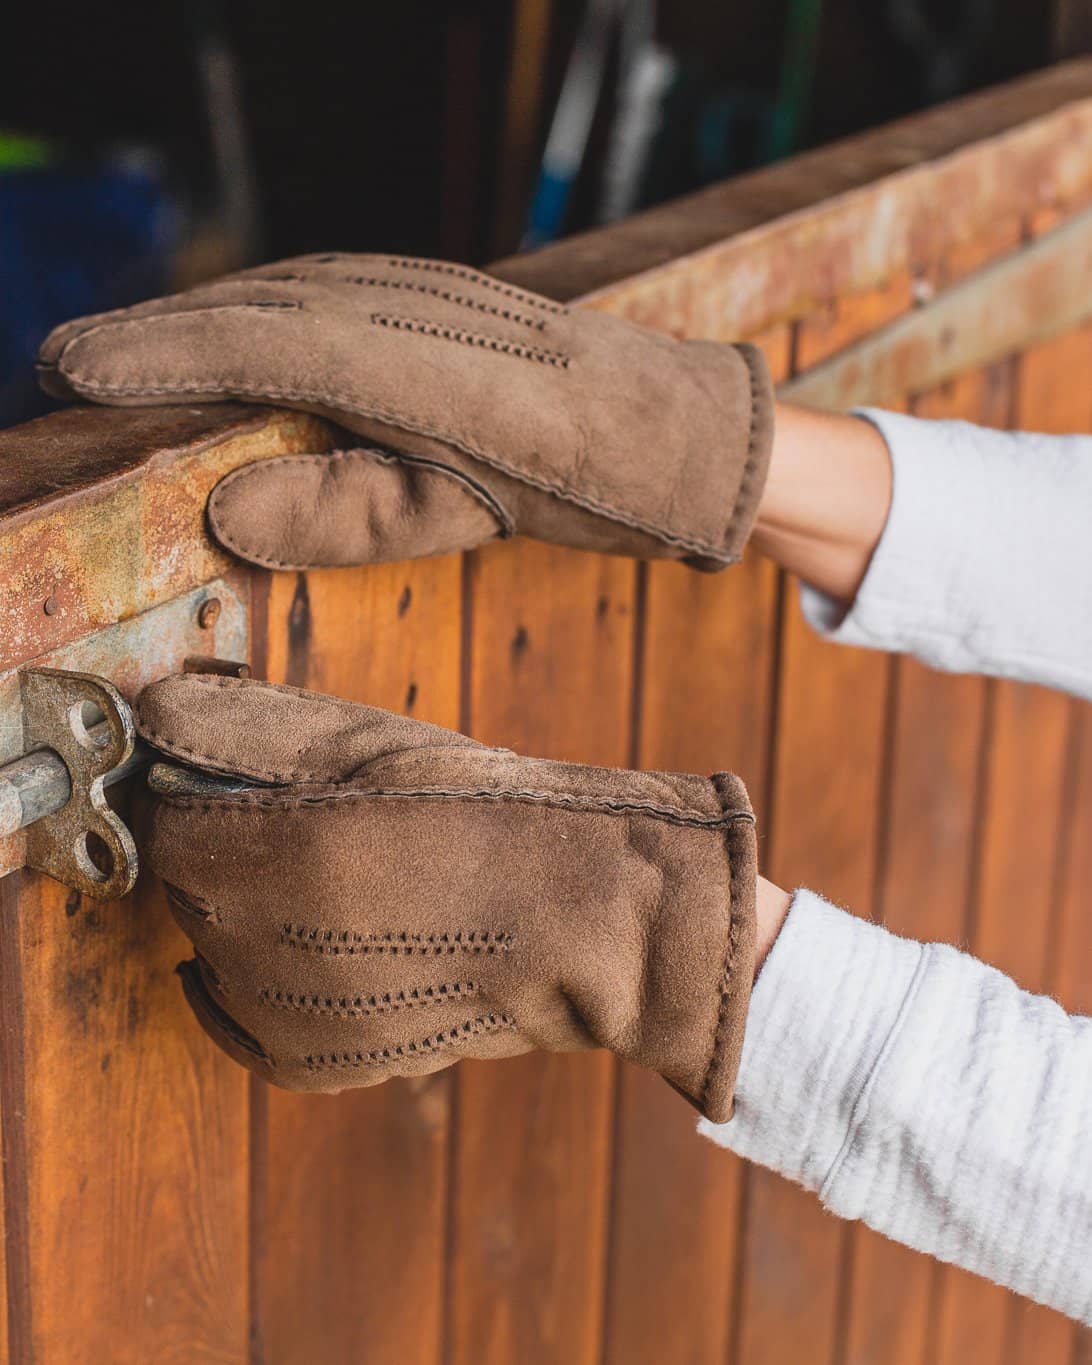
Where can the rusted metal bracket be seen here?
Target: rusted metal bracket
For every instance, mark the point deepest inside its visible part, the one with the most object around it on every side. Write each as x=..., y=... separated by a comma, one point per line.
x=80, y=732
x=67, y=734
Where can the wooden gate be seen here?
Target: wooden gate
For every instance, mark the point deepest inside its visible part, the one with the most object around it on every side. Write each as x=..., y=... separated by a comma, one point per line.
x=160, y=1206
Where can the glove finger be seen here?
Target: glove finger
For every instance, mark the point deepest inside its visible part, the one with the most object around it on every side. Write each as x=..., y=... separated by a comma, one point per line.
x=218, y=1023
x=274, y=734
x=353, y=507
x=222, y=342
x=232, y=290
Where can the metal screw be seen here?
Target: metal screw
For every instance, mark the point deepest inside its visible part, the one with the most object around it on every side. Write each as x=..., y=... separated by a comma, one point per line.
x=208, y=613
x=49, y=606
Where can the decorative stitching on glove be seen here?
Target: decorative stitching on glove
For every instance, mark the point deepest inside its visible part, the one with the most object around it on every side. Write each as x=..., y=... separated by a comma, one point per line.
x=376, y=412
x=349, y=943
x=324, y=398
x=506, y=527
x=362, y=1006
x=252, y=801
x=461, y=272
x=438, y=1042
x=464, y=300
x=727, y=973
x=480, y=339
x=747, y=477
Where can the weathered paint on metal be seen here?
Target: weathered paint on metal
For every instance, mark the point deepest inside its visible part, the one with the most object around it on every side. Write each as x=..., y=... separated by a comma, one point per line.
x=780, y=243
x=1020, y=300
x=112, y=550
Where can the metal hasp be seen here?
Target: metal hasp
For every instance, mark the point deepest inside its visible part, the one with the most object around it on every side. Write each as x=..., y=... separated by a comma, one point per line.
x=81, y=724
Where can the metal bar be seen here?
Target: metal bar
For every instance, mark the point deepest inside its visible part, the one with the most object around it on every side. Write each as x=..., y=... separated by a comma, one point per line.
x=38, y=783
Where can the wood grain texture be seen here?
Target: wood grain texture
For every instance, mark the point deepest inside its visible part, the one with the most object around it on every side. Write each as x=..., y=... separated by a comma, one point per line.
x=14, y=1258
x=549, y=1208
x=351, y=1248
x=705, y=703
x=827, y=778
x=4, y=1355
x=550, y=674
x=137, y=1142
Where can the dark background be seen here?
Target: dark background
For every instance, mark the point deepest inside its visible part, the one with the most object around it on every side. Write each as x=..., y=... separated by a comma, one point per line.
x=414, y=127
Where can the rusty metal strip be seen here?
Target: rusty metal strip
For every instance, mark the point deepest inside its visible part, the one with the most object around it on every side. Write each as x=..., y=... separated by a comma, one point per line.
x=95, y=555
x=777, y=244
x=1028, y=297
x=102, y=511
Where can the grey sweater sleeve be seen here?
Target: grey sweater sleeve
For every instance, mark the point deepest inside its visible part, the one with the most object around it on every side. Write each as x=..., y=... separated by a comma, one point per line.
x=909, y=1085
x=985, y=564
x=923, y=1092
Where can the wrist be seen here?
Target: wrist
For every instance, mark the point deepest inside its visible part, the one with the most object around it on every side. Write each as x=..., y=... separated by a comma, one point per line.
x=826, y=499
x=771, y=908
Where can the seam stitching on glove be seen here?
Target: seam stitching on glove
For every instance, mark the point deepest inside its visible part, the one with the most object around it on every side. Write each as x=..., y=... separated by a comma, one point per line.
x=590, y=503
x=741, y=507
x=438, y=1042
x=476, y=491
x=481, y=339
x=251, y=802
x=360, y=1007
x=352, y=943
x=727, y=974
x=464, y=300
x=483, y=281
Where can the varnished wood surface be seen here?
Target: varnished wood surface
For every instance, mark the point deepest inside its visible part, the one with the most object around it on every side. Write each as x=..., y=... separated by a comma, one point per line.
x=158, y=1206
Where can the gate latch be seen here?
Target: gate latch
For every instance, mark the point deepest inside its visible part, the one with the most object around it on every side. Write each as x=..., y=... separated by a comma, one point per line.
x=79, y=734
x=80, y=739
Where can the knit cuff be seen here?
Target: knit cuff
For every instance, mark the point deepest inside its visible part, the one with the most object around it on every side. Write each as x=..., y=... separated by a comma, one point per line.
x=826, y=1005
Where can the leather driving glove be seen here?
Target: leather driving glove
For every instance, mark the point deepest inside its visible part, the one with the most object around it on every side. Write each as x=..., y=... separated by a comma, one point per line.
x=388, y=896
x=484, y=410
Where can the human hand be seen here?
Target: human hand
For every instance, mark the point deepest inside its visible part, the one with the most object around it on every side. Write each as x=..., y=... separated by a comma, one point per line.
x=392, y=896
x=483, y=410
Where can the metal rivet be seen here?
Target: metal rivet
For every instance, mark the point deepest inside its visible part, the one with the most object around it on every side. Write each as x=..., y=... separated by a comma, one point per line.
x=208, y=613
x=49, y=606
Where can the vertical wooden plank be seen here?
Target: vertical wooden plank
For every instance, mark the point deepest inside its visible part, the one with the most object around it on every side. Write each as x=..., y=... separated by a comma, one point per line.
x=4, y=1357
x=822, y=832
x=551, y=641
x=136, y=1141
x=705, y=703
x=922, y=891
x=1015, y=902
x=707, y=692
x=15, y=1331
x=351, y=1255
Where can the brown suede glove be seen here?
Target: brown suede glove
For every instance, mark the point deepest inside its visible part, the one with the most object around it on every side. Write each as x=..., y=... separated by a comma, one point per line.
x=486, y=411
x=398, y=896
